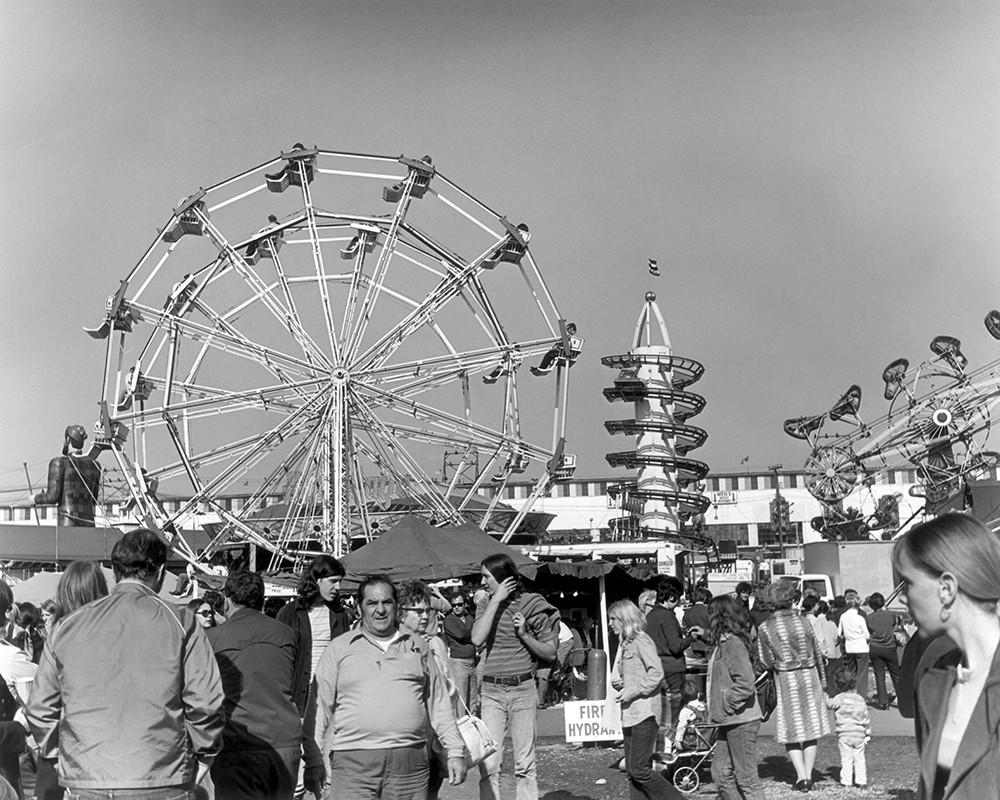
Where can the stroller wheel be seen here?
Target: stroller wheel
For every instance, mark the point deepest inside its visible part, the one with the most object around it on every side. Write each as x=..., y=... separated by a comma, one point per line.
x=686, y=779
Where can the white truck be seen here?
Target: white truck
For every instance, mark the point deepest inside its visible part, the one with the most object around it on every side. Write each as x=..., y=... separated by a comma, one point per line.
x=832, y=567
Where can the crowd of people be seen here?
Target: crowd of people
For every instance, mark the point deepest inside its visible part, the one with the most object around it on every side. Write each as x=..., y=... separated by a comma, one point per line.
x=118, y=692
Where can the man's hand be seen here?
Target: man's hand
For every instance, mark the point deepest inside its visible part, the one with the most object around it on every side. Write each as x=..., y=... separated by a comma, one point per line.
x=314, y=780
x=519, y=621
x=456, y=770
x=617, y=682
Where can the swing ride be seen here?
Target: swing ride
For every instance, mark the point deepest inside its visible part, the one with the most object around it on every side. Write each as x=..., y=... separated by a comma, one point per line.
x=938, y=422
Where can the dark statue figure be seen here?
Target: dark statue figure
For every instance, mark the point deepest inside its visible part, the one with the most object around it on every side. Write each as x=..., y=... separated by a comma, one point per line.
x=74, y=482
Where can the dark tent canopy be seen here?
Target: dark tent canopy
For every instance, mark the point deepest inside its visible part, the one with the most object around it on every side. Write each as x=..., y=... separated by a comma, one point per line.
x=416, y=549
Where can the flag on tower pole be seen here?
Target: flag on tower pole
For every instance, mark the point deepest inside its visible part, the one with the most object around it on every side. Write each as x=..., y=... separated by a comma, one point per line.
x=654, y=268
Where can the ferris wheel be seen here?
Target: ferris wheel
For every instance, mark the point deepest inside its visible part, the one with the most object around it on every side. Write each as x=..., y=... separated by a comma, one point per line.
x=321, y=332
x=938, y=422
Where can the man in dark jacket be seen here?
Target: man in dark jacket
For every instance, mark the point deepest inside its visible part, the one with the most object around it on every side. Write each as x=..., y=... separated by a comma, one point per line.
x=261, y=743
x=664, y=628
x=317, y=617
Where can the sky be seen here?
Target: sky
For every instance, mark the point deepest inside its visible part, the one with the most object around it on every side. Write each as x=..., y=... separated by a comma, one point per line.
x=819, y=181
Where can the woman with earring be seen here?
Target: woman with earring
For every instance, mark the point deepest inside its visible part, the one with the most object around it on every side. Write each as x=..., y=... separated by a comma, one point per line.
x=950, y=571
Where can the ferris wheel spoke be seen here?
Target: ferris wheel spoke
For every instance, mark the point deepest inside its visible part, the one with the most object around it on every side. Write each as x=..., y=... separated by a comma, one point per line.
x=260, y=288
x=228, y=453
x=227, y=339
x=320, y=268
x=409, y=465
x=449, y=423
x=446, y=290
x=288, y=427
x=211, y=401
x=309, y=347
x=374, y=287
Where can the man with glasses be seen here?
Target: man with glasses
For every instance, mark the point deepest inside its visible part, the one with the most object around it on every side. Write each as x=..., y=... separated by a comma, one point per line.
x=461, y=651
x=378, y=689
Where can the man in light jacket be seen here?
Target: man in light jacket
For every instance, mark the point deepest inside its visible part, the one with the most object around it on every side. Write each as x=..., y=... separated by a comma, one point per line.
x=128, y=688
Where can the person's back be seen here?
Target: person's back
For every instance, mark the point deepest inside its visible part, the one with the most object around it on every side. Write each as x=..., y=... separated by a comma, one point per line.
x=256, y=657
x=121, y=664
x=262, y=740
x=128, y=688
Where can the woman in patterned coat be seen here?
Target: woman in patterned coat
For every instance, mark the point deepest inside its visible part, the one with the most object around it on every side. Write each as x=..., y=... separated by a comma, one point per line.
x=786, y=644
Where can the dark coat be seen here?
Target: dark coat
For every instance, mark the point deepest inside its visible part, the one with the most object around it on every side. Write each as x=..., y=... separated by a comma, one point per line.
x=977, y=763
x=256, y=658
x=665, y=631
x=296, y=617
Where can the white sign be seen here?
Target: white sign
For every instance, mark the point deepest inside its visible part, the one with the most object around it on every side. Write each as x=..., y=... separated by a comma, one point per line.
x=724, y=498
x=591, y=721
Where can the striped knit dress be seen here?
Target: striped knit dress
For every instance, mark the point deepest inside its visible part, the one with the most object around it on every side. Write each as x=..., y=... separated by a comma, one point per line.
x=786, y=643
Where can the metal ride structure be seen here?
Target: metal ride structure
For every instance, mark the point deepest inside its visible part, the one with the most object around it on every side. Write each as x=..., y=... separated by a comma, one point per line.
x=666, y=492
x=938, y=422
x=319, y=324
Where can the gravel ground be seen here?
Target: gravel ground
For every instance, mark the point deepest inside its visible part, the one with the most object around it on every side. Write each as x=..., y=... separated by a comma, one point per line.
x=571, y=772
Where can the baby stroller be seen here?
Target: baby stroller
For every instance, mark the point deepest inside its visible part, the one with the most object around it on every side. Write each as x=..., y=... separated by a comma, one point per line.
x=681, y=767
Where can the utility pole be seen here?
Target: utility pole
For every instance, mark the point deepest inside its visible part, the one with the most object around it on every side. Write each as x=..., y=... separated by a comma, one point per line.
x=777, y=517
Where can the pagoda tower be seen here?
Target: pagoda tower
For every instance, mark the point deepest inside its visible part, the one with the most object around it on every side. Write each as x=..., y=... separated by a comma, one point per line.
x=666, y=491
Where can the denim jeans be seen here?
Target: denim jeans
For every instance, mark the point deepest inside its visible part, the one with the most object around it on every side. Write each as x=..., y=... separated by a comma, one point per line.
x=464, y=672
x=510, y=710
x=162, y=793
x=734, y=762
x=640, y=739
x=852, y=763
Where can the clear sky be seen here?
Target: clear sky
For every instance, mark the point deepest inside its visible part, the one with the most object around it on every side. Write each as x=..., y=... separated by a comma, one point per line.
x=819, y=181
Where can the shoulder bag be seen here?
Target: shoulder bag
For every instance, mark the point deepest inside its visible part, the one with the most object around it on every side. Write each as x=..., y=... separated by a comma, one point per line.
x=479, y=744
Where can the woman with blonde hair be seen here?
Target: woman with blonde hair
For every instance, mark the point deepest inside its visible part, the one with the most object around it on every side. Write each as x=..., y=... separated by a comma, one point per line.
x=786, y=644
x=950, y=571
x=636, y=677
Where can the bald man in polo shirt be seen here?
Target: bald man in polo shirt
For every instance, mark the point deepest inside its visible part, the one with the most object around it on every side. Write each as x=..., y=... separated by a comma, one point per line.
x=378, y=688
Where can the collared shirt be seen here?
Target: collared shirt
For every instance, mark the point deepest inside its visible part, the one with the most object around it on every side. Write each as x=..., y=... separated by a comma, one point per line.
x=129, y=691
x=375, y=699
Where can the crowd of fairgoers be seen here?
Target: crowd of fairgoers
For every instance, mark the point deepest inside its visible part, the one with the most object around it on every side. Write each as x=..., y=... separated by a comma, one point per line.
x=125, y=694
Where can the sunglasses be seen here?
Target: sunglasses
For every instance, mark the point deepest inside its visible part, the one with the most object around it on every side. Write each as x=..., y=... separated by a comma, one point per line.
x=205, y=613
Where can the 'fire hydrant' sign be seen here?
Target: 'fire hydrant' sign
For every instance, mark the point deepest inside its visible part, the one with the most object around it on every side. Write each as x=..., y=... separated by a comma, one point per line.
x=592, y=721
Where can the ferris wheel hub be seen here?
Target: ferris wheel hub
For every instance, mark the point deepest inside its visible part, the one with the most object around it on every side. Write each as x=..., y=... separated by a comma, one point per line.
x=942, y=417
x=340, y=375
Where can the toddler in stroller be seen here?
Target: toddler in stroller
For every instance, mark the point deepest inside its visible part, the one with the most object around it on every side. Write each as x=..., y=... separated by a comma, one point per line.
x=688, y=746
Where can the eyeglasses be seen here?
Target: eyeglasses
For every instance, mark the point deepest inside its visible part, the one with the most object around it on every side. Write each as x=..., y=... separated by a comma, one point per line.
x=420, y=610
x=458, y=605
x=205, y=613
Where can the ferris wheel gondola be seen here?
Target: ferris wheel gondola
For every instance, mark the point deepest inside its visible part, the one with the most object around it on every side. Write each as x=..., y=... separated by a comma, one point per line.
x=316, y=325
